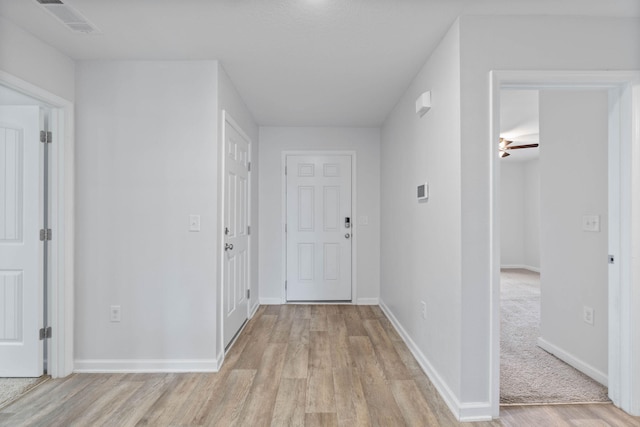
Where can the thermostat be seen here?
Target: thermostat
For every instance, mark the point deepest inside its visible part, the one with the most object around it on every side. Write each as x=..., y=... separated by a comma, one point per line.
x=423, y=192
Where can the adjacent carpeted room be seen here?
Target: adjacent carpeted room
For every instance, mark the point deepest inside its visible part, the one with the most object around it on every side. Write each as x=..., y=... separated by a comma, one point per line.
x=14, y=388
x=528, y=374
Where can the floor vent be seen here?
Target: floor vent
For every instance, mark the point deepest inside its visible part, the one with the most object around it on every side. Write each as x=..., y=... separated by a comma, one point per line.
x=70, y=17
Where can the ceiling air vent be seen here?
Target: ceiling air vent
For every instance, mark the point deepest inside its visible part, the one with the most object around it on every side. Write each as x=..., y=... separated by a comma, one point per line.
x=70, y=17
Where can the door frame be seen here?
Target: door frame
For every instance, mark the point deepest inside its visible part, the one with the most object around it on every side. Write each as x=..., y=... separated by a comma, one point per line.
x=624, y=216
x=61, y=221
x=227, y=118
x=354, y=216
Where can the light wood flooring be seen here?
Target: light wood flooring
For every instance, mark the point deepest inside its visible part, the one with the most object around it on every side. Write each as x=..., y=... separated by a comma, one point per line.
x=293, y=365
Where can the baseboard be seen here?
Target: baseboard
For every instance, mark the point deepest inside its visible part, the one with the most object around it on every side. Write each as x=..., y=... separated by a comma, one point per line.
x=253, y=310
x=522, y=266
x=571, y=360
x=367, y=301
x=471, y=411
x=146, y=365
x=271, y=301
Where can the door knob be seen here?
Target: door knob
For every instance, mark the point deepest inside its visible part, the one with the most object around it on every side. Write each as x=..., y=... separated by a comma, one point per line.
x=346, y=236
x=228, y=246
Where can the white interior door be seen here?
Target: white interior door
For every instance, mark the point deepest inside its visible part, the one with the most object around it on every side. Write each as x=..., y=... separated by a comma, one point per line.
x=318, y=231
x=20, y=246
x=236, y=239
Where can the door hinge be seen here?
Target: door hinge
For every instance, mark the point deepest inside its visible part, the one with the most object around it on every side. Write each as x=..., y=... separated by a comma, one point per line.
x=248, y=293
x=45, y=234
x=611, y=259
x=45, y=137
x=285, y=170
x=285, y=227
x=285, y=285
x=249, y=167
x=45, y=333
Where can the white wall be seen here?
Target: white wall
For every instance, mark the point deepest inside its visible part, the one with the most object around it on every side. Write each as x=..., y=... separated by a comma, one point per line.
x=36, y=62
x=573, y=163
x=520, y=214
x=420, y=257
x=460, y=283
x=146, y=158
x=512, y=43
x=512, y=226
x=366, y=143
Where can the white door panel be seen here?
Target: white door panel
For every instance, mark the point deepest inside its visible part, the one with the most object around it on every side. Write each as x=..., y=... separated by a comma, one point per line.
x=318, y=240
x=236, y=239
x=20, y=246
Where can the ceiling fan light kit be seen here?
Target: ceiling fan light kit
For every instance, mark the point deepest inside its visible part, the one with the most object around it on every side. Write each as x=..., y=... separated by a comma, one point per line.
x=505, y=145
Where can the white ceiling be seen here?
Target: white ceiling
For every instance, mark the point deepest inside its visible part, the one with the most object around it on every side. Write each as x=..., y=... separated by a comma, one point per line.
x=294, y=62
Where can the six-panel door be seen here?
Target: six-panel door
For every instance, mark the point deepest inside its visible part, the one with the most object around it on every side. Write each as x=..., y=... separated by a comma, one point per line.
x=20, y=246
x=236, y=238
x=318, y=231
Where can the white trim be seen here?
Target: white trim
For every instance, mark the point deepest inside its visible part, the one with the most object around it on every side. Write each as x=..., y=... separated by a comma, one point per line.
x=624, y=203
x=146, y=365
x=62, y=169
x=354, y=213
x=368, y=301
x=570, y=359
x=270, y=301
x=522, y=267
x=471, y=411
x=252, y=310
x=227, y=118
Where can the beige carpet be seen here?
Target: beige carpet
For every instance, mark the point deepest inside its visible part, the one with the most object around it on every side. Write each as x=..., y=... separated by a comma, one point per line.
x=12, y=388
x=528, y=374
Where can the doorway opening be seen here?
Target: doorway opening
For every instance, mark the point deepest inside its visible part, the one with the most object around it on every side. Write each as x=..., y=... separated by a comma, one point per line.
x=541, y=360
x=623, y=101
x=236, y=226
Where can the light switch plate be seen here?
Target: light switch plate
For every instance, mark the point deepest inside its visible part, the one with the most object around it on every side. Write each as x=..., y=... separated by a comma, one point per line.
x=194, y=222
x=364, y=220
x=591, y=223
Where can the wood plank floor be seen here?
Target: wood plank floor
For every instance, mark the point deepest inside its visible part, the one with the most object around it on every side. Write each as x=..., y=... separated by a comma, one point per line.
x=293, y=365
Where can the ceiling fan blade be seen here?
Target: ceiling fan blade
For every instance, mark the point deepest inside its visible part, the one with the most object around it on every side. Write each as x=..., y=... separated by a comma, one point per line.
x=504, y=154
x=521, y=146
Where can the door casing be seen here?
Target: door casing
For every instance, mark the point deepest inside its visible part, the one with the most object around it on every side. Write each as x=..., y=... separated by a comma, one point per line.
x=624, y=202
x=227, y=118
x=61, y=216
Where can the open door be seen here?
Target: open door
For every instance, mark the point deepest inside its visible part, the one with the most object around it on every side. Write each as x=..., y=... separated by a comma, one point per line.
x=21, y=255
x=236, y=229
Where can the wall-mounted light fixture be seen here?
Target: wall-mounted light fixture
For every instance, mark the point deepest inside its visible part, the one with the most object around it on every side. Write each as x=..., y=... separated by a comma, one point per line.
x=423, y=103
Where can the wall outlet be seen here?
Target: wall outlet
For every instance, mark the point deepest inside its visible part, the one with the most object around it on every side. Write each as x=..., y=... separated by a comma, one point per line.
x=114, y=313
x=587, y=315
x=194, y=222
x=423, y=309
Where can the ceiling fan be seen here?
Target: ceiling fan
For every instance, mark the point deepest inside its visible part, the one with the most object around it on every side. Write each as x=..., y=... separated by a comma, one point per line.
x=505, y=145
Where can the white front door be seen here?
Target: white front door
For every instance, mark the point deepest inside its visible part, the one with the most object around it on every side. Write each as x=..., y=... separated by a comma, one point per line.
x=236, y=231
x=20, y=246
x=318, y=228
